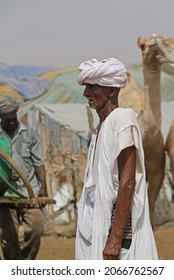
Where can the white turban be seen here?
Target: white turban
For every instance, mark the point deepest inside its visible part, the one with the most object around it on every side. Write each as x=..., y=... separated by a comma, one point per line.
x=108, y=72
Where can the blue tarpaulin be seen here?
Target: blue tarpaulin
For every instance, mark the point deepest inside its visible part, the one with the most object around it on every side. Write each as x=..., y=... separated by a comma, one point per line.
x=26, y=80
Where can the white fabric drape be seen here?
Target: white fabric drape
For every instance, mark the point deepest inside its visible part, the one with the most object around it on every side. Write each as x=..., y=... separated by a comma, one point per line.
x=119, y=130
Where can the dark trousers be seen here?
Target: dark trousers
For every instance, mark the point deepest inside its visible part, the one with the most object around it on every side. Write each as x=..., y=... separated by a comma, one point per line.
x=33, y=222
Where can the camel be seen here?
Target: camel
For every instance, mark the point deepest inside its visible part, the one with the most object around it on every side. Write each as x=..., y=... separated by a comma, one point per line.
x=168, y=57
x=149, y=113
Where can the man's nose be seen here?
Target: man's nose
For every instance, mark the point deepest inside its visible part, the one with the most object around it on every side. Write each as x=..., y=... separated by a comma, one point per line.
x=11, y=122
x=86, y=92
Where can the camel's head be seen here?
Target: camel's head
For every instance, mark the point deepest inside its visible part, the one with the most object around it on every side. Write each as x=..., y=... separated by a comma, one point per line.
x=151, y=48
x=157, y=50
x=167, y=55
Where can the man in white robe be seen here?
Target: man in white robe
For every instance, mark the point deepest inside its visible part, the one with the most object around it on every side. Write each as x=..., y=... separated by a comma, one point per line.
x=113, y=212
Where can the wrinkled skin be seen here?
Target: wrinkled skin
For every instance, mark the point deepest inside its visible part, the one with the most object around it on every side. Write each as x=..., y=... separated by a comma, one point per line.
x=126, y=165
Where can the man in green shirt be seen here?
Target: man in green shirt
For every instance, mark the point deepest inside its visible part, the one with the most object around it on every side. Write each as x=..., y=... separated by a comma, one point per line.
x=27, y=153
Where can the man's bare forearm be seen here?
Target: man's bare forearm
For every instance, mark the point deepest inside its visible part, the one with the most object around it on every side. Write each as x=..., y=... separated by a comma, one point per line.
x=126, y=166
x=122, y=209
x=41, y=175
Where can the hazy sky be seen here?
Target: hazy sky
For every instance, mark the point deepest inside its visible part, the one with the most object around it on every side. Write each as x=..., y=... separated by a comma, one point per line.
x=66, y=32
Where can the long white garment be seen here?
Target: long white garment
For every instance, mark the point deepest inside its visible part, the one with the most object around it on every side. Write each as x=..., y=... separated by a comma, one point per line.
x=118, y=131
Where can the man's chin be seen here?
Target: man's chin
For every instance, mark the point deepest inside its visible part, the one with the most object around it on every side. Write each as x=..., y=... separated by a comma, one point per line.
x=91, y=106
x=11, y=129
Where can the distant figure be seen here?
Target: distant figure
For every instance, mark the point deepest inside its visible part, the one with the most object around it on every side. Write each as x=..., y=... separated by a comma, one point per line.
x=27, y=153
x=113, y=213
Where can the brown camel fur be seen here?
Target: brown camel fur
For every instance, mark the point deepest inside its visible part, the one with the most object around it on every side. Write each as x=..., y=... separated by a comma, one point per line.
x=168, y=57
x=149, y=114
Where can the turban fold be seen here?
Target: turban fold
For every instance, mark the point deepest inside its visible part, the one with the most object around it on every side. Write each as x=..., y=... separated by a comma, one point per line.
x=8, y=106
x=108, y=72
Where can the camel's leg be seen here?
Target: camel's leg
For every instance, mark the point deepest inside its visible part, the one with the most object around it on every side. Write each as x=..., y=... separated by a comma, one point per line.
x=155, y=183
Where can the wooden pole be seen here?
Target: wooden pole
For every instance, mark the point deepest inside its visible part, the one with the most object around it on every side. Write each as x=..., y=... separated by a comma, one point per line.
x=46, y=162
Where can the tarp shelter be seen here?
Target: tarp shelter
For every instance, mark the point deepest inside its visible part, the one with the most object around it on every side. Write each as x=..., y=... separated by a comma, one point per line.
x=26, y=80
x=63, y=89
x=64, y=130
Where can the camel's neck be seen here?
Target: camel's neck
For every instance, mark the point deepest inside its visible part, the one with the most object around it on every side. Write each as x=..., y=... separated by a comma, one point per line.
x=153, y=100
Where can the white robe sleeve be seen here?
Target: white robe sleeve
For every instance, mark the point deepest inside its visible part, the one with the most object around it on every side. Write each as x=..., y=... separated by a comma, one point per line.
x=125, y=139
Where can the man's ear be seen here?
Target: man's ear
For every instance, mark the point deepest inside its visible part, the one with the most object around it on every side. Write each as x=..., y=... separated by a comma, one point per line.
x=113, y=91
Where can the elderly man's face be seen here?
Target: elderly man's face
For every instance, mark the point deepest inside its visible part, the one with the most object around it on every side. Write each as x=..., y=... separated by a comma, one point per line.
x=97, y=96
x=9, y=121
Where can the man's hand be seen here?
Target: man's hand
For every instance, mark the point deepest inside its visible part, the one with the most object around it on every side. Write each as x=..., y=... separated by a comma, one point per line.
x=14, y=176
x=112, y=248
x=41, y=175
x=42, y=192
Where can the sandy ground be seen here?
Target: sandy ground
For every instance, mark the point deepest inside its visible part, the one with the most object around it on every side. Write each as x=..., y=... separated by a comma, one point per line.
x=56, y=247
